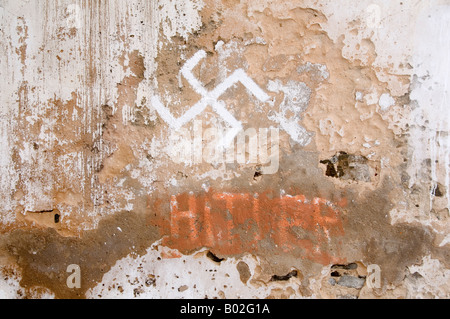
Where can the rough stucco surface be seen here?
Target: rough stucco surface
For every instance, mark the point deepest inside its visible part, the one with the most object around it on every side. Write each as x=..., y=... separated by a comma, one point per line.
x=109, y=114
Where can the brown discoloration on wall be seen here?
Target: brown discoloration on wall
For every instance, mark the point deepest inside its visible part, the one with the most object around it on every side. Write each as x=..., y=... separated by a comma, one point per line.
x=44, y=255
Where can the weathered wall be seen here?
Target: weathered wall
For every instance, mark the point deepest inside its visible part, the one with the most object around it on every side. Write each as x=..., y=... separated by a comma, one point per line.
x=225, y=149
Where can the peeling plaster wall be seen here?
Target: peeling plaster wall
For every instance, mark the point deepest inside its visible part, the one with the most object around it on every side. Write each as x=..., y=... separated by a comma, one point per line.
x=230, y=149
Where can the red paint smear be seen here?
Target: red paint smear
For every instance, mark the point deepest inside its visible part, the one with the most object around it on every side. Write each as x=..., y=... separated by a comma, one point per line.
x=234, y=223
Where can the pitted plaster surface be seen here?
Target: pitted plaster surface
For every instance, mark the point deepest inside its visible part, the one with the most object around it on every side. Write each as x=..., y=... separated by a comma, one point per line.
x=121, y=133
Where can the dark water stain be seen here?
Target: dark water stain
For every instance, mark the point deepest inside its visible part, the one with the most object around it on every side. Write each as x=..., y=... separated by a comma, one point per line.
x=44, y=255
x=394, y=247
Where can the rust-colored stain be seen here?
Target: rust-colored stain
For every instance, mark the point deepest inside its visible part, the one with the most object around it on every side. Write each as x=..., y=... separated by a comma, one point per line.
x=235, y=223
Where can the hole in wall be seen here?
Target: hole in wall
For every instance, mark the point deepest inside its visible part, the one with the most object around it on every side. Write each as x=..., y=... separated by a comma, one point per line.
x=213, y=257
x=293, y=273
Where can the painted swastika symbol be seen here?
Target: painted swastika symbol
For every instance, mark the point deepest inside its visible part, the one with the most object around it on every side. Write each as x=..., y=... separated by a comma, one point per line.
x=210, y=98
